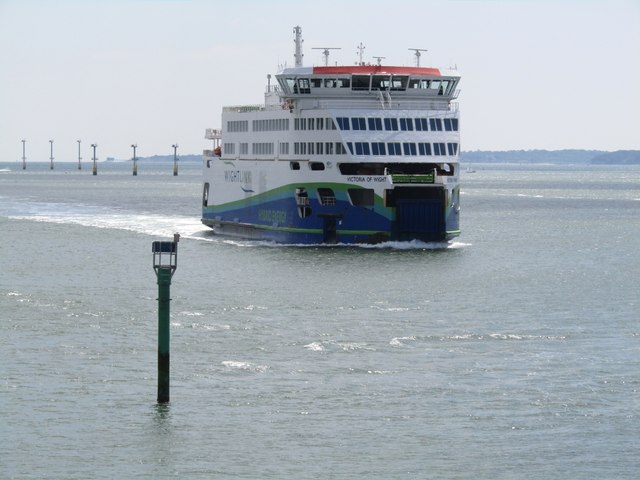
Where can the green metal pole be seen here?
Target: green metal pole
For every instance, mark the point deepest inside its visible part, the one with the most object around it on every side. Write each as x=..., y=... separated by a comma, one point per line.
x=164, y=292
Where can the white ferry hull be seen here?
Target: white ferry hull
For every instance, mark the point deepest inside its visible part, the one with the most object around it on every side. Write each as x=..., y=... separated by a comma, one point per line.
x=244, y=201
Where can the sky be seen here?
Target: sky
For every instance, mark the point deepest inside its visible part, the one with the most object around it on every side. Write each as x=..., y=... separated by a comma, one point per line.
x=536, y=74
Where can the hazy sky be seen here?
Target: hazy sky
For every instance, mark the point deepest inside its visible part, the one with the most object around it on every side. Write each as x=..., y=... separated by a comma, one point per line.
x=545, y=74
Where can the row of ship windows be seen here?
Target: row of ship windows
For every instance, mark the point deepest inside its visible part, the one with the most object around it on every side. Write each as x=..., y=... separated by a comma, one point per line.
x=403, y=148
x=395, y=124
x=355, y=148
x=280, y=124
x=347, y=123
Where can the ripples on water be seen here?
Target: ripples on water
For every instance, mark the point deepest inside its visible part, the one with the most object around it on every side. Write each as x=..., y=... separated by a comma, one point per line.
x=511, y=353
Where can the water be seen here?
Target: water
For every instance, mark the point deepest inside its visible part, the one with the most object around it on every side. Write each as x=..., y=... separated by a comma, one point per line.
x=514, y=353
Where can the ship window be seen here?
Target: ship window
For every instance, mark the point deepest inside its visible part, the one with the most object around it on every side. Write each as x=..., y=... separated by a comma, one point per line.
x=284, y=148
x=311, y=149
x=380, y=82
x=436, y=124
x=238, y=126
x=438, y=149
x=422, y=124
x=330, y=124
x=299, y=124
x=406, y=124
x=343, y=123
x=451, y=124
x=205, y=195
x=362, y=148
x=378, y=148
x=244, y=149
x=424, y=148
x=290, y=84
x=328, y=146
x=418, y=83
x=409, y=148
x=316, y=165
x=452, y=148
x=358, y=123
x=329, y=83
x=350, y=147
x=360, y=82
x=444, y=90
x=399, y=82
x=344, y=82
x=229, y=148
x=319, y=148
x=294, y=165
x=262, y=148
x=375, y=123
x=300, y=148
x=320, y=123
x=391, y=124
x=361, y=197
x=448, y=125
x=394, y=148
x=303, y=86
x=340, y=150
x=316, y=82
x=326, y=196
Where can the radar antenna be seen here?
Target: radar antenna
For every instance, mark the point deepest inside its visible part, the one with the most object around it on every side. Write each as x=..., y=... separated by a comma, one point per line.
x=325, y=53
x=417, y=54
x=379, y=60
x=360, y=48
x=298, y=41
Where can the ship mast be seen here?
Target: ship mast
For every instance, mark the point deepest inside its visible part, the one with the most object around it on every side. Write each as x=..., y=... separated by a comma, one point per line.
x=417, y=54
x=298, y=41
x=361, y=48
x=325, y=53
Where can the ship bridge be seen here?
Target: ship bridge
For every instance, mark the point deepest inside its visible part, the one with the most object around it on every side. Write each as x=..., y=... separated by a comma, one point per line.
x=361, y=82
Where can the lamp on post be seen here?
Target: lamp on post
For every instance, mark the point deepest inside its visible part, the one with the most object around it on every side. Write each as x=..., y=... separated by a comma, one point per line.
x=135, y=164
x=95, y=167
x=165, y=262
x=51, y=156
x=175, y=159
x=79, y=157
x=24, y=158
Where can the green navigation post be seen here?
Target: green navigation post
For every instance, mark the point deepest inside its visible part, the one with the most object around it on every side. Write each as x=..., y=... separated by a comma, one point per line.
x=165, y=262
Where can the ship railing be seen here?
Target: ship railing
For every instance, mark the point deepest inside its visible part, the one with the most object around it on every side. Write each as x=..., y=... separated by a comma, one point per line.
x=329, y=201
x=208, y=153
x=408, y=178
x=386, y=105
x=213, y=134
x=255, y=108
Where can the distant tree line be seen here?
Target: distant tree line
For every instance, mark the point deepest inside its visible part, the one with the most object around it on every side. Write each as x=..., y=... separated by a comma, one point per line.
x=592, y=157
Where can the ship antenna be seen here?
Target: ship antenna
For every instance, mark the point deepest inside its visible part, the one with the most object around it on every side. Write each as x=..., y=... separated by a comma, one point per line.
x=298, y=41
x=325, y=53
x=417, y=54
x=360, y=48
x=379, y=59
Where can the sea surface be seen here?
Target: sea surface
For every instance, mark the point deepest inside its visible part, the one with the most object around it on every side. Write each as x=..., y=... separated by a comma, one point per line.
x=513, y=352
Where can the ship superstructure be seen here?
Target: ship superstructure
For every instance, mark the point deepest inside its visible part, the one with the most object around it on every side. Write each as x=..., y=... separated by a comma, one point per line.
x=339, y=154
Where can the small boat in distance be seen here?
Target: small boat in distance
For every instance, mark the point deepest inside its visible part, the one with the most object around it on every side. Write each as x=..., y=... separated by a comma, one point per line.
x=339, y=154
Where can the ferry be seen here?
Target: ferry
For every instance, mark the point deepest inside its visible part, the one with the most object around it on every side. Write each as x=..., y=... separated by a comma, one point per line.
x=362, y=153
